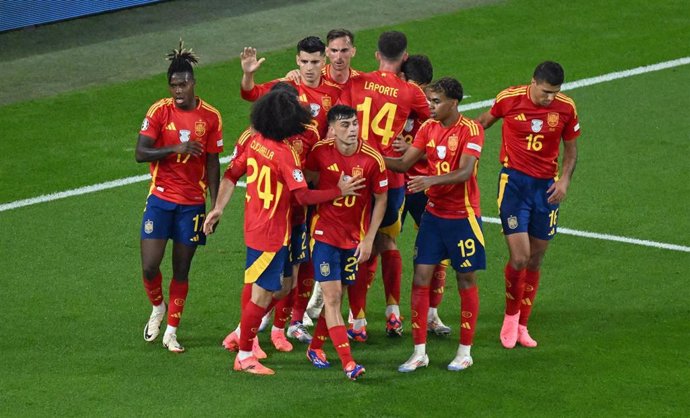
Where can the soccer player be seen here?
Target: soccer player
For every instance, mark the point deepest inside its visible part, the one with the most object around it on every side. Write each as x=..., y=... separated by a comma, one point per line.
x=181, y=137
x=417, y=69
x=343, y=229
x=451, y=225
x=340, y=49
x=536, y=118
x=274, y=178
x=384, y=102
x=315, y=92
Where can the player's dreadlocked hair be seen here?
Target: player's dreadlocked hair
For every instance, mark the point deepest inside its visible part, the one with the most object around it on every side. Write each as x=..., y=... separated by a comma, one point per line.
x=181, y=61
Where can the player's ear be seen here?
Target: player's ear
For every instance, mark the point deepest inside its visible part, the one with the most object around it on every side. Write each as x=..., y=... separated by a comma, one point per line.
x=377, y=54
x=354, y=51
x=297, y=60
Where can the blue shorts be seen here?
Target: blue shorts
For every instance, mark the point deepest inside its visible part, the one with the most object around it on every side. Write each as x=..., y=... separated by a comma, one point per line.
x=299, y=245
x=414, y=205
x=332, y=263
x=461, y=240
x=166, y=220
x=391, y=224
x=267, y=269
x=523, y=206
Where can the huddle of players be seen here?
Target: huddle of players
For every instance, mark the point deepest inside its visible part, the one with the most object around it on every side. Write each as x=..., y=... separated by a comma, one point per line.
x=357, y=174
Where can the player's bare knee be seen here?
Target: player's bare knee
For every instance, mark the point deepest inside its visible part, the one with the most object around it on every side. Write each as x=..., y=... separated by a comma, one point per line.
x=150, y=272
x=466, y=280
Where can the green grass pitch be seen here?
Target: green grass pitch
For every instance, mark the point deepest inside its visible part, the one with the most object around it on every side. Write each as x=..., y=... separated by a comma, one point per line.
x=611, y=318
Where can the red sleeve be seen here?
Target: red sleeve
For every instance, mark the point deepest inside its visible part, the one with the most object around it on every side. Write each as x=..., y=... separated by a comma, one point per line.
x=237, y=168
x=258, y=91
x=151, y=126
x=474, y=143
x=306, y=197
x=499, y=108
x=571, y=130
x=215, y=138
x=420, y=106
x=419, y=141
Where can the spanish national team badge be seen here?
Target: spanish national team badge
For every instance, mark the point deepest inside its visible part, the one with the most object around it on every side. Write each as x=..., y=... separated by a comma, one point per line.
x=200, y=128
x=453, y=143
x=512, y=222
x=441, y=151
x=357, y=172
x=325, y=269
x=148, y=226
x=184, y=135
x=326, y=102
x=314, y=108
x=536, y=125
x=298, y=146
x=552, y=119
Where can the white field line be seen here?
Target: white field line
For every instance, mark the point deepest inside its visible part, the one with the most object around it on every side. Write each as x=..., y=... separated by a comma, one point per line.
x=470, y=106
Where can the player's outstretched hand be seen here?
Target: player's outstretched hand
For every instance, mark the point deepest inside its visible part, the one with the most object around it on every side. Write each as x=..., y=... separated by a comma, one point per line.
x=248, y=60
x=212, y=219
x=419, y=183
x=349, y=185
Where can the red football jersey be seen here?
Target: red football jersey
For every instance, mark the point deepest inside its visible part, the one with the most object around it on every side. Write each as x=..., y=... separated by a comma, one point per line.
x=443, y=148
x=532, y=134
x=181, y=178
x=319, y=99
x=384, y=102
x=273, y=171
x=344, y=222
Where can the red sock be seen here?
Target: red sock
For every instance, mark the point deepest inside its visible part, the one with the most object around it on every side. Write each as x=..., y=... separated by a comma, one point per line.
x=420, y=310
x=357, y=292
x=469, y=308
x=391, y=271
x=305, y=285
x=531, y=286
x=283, y=309
x=178, y=296
x=342, y=345
x=154, y=290
x=438, y=286
x=245, y=297
x=320, y=334
x=371, y=265
x=249, y=325
x=515, y=284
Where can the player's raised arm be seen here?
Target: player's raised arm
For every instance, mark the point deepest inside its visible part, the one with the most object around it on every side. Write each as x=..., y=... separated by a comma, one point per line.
x=250, y=64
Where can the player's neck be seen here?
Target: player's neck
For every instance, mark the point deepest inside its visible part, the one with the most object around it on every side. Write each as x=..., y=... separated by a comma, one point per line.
x=451, y=120
x=346, y=149
x=339, y=76
x=312, y=84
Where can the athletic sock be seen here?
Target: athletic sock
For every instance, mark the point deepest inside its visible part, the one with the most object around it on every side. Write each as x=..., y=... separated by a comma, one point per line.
x=178, y=296
x=469, y=307
x=338, y=335
x=515, y=284
x=305, y=286
x=420, y=308
x=153, y=288
x=320, y=334
x=251, y=319
x=528, y=296
x=438, y=286
x=283, y=309
x=391, y=271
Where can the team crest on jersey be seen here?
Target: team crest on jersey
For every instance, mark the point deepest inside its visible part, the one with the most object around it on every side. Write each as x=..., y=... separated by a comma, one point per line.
x=537, y=125
x=453, y=143
x=326, y=102
x=512, y=222
x=441, y=151
x=148, y=226
x=297, y=175
x=357, y=172
x=314, y=109
x=145, y=124
x=325, y=269
x=184, y=135
x=552, y=119
x=298, y=146
x=200, y=128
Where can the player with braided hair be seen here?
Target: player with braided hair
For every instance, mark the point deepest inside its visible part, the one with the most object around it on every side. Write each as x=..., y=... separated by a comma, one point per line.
x=181, y=137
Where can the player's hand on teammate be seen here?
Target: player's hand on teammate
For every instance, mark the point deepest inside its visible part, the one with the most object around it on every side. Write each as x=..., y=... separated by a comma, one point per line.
x=248, y=60
x=420, y=183
x=400, y=145
x=556, y=193
x=349, y=185
x=193, y=148
x=294, y=76
x=212, y=219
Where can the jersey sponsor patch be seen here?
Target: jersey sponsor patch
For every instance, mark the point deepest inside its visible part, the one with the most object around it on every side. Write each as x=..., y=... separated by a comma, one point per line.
x=576, y=128
x=315, y=109
x=297, y=175
x=219, y=143
x=537, y=125
x=476, y=147
x=184, y=135
x=145, y=124
x=441, y=151
x=383, y=183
